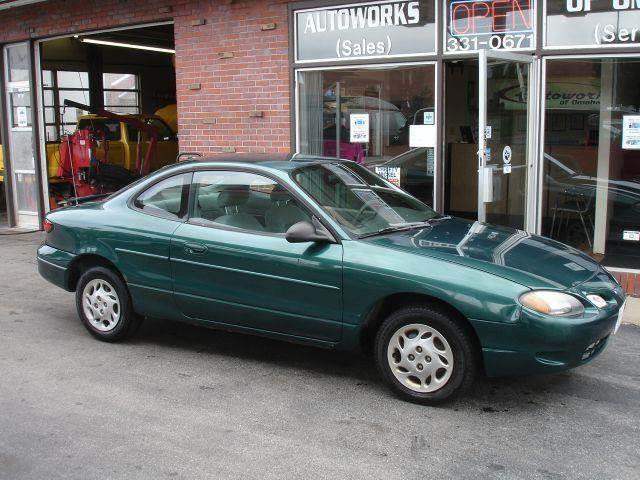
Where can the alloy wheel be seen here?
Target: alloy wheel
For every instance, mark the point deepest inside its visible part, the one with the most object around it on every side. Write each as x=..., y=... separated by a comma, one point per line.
x=101, y=305
x=420, y=358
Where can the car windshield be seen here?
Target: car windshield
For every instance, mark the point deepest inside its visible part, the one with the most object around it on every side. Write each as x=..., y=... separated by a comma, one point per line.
x=359, y=200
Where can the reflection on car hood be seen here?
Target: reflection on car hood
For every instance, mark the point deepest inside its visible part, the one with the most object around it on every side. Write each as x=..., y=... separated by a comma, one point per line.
x=530, y=260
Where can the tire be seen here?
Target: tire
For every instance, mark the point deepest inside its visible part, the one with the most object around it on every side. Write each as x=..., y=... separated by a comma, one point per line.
x=441, y=356
x=109, y=316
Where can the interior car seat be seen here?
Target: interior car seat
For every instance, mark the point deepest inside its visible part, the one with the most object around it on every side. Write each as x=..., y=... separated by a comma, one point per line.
x=230, y=200
x=283, y=212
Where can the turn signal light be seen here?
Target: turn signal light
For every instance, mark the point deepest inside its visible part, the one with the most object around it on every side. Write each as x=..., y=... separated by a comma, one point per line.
x=48, y=226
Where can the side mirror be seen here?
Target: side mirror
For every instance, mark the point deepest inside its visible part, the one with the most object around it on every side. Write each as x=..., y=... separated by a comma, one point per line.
x=305, y=231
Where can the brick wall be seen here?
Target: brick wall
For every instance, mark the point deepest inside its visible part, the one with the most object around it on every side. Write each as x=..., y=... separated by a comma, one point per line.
x=630, y=282
x=216, y=96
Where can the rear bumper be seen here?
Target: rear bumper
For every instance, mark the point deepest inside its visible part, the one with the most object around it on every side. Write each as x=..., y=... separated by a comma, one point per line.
x=537, y=345
x=54, y=266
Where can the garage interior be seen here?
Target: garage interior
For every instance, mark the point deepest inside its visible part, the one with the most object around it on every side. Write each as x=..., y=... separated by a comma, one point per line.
x=128, y=72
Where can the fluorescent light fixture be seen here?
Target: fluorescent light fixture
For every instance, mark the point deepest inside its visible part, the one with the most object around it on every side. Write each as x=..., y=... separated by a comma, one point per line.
x=127, y=45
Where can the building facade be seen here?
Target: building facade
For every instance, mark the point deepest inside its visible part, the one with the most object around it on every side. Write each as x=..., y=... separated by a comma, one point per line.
x=523, y=113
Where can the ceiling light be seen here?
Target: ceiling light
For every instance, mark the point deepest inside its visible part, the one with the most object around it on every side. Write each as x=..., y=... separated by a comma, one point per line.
x=127, y=45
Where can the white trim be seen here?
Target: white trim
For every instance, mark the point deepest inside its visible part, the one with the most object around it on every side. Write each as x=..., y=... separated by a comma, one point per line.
x=621, y=270
x=17, y=3
x=106, y=30
x=44, y=170
x=481, y=155
x=368, y=66
x=539, y=193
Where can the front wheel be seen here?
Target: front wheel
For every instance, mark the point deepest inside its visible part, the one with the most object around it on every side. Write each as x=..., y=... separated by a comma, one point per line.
x=425, y=355
x=104, y=305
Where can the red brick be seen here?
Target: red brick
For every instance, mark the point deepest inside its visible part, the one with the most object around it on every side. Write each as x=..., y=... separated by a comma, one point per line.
x=256, y=78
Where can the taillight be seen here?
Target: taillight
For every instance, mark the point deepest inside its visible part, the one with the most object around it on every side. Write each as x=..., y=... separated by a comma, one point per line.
x=48, y=226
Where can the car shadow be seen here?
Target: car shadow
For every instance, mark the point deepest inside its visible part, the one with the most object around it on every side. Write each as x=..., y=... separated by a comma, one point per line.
x=488, y=395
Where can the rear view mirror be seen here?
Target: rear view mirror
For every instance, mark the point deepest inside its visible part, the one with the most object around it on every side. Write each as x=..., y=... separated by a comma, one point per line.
x=305, y=231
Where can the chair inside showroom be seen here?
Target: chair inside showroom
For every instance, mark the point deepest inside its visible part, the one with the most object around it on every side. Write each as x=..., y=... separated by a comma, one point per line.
x=572, y=204
x=283, y=212
x=231, y=200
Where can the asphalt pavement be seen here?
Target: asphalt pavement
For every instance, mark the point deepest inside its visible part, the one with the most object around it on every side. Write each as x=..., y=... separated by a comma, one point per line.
x=179, y=401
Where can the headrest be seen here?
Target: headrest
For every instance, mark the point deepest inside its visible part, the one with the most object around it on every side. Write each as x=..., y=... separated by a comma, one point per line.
x=233, y=196
x=279, y=194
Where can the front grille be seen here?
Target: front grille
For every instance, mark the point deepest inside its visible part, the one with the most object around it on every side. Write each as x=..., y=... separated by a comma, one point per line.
x=594, y=348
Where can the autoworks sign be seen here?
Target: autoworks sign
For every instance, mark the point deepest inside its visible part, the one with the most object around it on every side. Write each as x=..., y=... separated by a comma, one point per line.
x=365, y=30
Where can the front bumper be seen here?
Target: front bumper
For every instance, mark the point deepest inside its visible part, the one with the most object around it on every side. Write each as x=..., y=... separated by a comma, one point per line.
x=537, y=344
x=55, y=266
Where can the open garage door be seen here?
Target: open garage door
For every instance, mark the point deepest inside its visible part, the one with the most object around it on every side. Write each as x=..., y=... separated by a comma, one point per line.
x=109, y=110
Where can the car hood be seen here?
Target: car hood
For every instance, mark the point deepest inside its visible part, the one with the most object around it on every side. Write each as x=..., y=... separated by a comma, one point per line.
x=531, y=260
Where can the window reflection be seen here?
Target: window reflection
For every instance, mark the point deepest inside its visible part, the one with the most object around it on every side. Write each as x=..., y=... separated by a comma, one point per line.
x=390, y=100
x=591, y=177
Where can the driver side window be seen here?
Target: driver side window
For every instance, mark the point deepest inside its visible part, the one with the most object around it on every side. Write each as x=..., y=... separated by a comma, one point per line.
x=245, y=201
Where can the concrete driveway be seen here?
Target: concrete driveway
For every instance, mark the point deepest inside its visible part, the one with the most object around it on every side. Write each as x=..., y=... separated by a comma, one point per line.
x=185, y=402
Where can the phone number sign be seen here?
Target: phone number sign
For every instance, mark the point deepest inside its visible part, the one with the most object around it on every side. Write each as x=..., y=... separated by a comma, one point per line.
x=489, y=25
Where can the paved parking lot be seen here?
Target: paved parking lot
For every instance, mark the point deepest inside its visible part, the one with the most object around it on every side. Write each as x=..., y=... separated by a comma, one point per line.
x=185, y=402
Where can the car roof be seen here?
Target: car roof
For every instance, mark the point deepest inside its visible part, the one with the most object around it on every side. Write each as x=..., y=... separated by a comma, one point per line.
x=277, y=161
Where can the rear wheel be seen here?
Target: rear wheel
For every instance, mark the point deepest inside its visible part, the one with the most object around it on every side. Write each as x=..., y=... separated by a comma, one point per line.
x=425, y=355
x=104, y=305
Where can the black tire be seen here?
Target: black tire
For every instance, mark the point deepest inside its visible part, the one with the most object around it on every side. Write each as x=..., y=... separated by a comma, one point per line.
x=128, y=321
x=462, y=348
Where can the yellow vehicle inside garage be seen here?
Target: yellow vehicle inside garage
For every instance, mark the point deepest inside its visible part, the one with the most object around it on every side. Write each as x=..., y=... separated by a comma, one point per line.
x=100, y=94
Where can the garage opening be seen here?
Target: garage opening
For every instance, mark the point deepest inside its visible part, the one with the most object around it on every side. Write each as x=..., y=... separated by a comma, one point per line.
x=110, y=115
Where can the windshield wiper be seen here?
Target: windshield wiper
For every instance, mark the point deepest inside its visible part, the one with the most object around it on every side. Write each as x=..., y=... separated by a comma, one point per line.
x=396, y=228
x=406, y=226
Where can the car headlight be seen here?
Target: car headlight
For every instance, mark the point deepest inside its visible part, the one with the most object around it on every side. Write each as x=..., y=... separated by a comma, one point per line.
x=556, y=304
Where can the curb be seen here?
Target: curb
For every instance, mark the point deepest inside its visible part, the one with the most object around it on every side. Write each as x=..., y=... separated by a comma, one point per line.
x=632, y=311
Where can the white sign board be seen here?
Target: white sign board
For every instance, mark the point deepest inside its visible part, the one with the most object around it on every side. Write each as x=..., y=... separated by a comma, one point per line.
x=392, y=174
x=631, y=132
x=422, y=136
x=631, y=235
x=21, y=117
x=359, y=131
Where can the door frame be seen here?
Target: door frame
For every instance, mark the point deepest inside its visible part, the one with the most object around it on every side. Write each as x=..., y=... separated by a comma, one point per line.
x=484, y=56
x=14, y=216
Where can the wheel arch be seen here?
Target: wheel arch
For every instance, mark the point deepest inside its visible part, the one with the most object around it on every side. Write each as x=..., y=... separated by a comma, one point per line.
x=84, y=262
x=391, y=303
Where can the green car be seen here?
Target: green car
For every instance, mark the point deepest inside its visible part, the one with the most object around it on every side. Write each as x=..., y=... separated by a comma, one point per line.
x=324, y=252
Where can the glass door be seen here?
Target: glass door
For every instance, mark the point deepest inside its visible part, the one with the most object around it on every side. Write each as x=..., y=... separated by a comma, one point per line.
x=505, y=137
x=19, y=120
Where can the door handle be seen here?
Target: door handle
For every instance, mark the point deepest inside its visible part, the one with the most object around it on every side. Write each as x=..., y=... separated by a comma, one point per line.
x=195, y=248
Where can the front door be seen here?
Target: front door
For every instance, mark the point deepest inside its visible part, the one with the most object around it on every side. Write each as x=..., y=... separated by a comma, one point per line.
x=233, y=266
x=505, y=139
x=488, y=137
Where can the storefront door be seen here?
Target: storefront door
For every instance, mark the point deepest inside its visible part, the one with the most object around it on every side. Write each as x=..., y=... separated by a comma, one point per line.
x=19, y=121
x=505, y=138
x=488, y=137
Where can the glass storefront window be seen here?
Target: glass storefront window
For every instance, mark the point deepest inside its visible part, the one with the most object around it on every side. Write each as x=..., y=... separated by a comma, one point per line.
x=365, y=115
x=591, y=166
